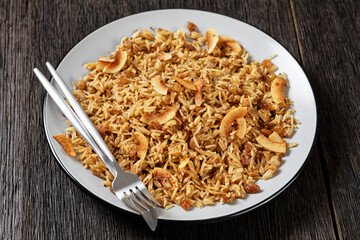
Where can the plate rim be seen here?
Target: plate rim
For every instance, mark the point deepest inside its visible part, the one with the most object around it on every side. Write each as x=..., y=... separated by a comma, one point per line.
x=207, y=220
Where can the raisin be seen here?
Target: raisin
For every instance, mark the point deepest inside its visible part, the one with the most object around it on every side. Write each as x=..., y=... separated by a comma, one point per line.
x=245, y=159
x=185, y=204
x=266, y=63
x=266, y=132
x=252, y=188
x=191, y=26
x=263, y=104
x=82, y=84
x=247, y=147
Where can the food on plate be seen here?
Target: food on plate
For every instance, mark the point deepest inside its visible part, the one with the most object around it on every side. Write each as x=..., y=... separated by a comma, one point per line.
x=229, y=118
x=278, y=147
x=276, y=90
x=242, y=127
x=188, y=113
x=212, y=39
x=143, y=145
x=66, y=144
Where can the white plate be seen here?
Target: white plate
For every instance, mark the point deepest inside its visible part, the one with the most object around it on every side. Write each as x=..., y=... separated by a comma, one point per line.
x=257, y=43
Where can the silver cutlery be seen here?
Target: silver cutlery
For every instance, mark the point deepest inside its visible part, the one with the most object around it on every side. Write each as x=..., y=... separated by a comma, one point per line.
x=127, y=186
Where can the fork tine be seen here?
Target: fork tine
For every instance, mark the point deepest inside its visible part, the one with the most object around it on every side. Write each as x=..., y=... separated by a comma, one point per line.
x=137, y=200
x=138, y=196
x=130, y=203
x=147, y=195
x=149, y=214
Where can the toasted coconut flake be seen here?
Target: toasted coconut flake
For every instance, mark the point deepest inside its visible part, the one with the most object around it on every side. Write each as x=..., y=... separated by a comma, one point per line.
x=168, y=180
x=198, y=95
x=184, y=162
x=164, y=56
x=107, y=59
x=229, y=118
x=103, y=62
x=275, y=137
x=66, y=144
x=230, y=42
x=187, y=84
x=278, y=147
x=235, y=46
x=118, y=64
x=90, y=66
x=165, y=116
x=161, y=118
x=276, y=90
x=212, y=39
x=225, y=39
x=198, y=36
x=159, y=86
x=143, y=145
x=240, y=133
x=146, y=118
x=100, y=65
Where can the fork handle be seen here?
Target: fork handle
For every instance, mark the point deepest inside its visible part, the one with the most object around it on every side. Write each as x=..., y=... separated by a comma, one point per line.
x=84, y=119
x=73, y=119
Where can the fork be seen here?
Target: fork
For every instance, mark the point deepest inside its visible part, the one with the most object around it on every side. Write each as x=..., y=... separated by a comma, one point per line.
x=127, y=186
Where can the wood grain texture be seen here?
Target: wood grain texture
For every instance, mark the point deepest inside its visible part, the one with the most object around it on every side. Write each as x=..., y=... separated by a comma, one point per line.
x=38, y=200
x=329, y=39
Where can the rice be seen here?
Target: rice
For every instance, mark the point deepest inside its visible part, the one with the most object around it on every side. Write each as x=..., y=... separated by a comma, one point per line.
x=161, y=113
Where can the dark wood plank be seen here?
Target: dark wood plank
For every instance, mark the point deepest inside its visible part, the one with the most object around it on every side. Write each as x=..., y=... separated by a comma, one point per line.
x=10, y=170
x=40, y=201
x=329, y=38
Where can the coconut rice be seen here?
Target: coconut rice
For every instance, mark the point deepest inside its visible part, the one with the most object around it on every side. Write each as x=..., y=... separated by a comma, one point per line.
x=188, y=113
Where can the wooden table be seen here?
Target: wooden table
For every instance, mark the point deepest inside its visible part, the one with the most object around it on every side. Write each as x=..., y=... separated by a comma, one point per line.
x=38, y=200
